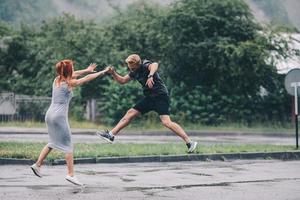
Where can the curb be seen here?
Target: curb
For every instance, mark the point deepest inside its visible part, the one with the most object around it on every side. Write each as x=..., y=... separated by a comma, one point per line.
x=290, y=155
x=15, y=161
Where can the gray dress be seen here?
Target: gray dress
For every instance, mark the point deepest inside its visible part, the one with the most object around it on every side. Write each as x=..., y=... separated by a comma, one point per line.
x=57, y=119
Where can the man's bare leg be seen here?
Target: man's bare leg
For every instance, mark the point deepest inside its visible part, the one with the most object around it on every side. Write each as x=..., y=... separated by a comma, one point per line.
x=125, y=121
x=176, y=128
x=109, y=136
x=166, y=121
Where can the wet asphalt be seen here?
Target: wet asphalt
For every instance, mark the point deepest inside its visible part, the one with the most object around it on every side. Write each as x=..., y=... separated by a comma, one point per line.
x=229, y=180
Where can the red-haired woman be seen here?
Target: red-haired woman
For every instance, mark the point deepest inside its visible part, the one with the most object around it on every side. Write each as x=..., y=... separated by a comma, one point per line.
x=57, y=114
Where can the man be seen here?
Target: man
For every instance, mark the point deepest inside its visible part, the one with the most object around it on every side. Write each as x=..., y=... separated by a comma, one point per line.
x=156, y=98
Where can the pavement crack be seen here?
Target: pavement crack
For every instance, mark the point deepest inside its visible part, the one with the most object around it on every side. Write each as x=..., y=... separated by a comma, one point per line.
x=207, y=184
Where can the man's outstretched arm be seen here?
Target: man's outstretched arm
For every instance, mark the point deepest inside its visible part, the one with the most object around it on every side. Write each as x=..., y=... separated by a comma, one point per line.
x=120, y=79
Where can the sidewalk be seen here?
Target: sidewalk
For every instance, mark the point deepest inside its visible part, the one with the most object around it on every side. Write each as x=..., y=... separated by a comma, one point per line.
x=204, y=137
x=22, y=130
x=158, y=138
x=215, y=180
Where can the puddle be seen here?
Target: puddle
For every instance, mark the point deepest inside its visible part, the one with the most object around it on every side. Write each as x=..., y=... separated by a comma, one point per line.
x=9, y=178
x=155, y=194
x=174, y=187
x=152, y=170
x=87, y=189
x=43, y=187
x=131, y=175
x=222, y=184
x=164, y=169
x=94, y=172
x=126, y=179
x=198, y=174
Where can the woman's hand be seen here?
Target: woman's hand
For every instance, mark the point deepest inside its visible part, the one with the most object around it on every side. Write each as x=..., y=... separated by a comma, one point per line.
x=91, y=67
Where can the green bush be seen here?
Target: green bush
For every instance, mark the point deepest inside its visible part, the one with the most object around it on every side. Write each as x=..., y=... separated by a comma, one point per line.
x=213, y=108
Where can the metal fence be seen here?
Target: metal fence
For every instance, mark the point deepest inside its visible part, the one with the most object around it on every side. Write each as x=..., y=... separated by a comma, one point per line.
x=15, y=107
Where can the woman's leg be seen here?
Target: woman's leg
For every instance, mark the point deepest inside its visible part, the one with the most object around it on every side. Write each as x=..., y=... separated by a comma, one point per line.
x=70, y=164
x=45, y=151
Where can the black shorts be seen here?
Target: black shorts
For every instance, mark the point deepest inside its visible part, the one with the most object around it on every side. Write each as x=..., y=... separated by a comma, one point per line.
x=159, y=104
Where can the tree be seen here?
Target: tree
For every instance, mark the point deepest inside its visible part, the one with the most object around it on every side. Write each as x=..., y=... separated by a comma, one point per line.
x=217, y=45
x=211, y=52
x=5, y=35
x=15, y=61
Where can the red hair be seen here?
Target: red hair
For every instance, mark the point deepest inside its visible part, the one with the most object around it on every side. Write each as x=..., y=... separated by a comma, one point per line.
x=64, y=69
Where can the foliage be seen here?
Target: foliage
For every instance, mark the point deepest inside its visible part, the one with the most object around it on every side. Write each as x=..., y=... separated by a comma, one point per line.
x=212, y=54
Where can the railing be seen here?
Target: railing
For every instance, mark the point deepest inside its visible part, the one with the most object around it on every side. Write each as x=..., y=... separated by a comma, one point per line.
x=22, y=107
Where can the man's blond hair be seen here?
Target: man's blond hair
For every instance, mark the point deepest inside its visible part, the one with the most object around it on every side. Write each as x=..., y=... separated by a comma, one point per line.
x=133, y=59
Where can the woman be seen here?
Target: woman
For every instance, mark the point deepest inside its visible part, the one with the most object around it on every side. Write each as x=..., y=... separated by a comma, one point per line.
x=57, y=114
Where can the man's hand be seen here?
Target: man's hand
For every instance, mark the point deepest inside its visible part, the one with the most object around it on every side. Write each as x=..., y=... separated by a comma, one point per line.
x=106, y=70
x=110, y=69
x=150, y=82
x=91, y=67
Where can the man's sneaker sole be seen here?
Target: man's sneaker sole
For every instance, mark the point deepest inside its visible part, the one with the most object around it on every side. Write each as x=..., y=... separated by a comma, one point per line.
x=37, y=174
x=194, y=147
x=104, y=138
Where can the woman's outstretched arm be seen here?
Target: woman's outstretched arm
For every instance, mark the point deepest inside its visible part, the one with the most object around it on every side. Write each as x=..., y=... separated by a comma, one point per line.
x=87, y=78
x=89, y=69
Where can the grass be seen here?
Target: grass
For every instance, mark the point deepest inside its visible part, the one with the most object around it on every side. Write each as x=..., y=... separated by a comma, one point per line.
x=156, y=125
x=32, y=150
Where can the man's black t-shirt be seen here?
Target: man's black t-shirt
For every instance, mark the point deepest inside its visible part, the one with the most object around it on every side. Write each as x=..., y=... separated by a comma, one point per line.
x=141, y=75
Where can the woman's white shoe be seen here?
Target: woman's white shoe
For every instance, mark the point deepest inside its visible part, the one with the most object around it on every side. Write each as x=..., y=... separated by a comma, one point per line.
x=36, y=170
x=73, y=180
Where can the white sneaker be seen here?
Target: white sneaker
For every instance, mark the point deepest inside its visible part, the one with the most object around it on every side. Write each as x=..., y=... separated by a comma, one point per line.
x=36, y=170
x=73, y=180
x=192, y=147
